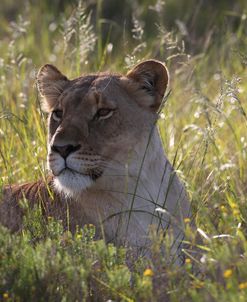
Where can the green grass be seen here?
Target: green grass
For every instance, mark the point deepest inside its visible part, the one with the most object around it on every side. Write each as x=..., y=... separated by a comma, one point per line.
x=203, y=127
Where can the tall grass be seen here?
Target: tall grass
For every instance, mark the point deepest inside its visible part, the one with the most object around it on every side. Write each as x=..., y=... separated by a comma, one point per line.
x=203, y=128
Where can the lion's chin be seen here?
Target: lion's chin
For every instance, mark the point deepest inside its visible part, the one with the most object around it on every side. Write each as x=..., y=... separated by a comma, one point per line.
x=71, y=183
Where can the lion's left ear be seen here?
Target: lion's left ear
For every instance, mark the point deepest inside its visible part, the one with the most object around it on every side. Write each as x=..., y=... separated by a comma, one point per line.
x=51, y=83
x=151, y=77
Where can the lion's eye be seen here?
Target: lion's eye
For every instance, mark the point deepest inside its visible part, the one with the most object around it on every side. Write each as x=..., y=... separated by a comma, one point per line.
x=103, y=113
x=57, y=115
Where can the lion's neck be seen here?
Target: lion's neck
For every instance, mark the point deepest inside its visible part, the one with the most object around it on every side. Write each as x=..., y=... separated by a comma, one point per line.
x=126, y=198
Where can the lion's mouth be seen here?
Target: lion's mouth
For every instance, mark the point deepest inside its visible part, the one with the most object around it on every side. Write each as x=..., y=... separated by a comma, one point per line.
x=93, y=174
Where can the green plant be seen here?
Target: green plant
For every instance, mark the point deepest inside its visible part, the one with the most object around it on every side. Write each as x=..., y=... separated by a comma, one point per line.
x=203, y=128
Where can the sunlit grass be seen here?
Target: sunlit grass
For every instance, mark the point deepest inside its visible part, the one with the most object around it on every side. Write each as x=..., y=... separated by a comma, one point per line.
x=203, y=126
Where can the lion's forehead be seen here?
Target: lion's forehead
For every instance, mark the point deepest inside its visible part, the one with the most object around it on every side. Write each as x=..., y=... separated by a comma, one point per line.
x=99, y=82
x=85, y=89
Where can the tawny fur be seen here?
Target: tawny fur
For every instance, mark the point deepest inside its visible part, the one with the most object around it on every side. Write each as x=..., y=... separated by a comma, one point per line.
x=119, y=175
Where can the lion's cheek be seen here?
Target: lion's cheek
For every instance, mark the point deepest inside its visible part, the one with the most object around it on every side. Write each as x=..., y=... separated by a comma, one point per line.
x=55, y=164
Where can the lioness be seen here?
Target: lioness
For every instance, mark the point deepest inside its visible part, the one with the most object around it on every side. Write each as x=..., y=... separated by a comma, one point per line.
x=107, y=164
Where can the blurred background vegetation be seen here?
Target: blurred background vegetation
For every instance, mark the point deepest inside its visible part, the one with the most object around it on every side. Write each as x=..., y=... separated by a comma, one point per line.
x=201, y=24
x=195, y=19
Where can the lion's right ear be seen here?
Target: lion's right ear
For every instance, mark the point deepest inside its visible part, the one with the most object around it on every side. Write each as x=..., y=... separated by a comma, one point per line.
x=51, y=83
x=150, y=78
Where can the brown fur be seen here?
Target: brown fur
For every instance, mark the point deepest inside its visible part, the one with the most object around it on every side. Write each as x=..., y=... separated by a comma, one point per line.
x=99, y=181
x=11, y=211
x=52, y=83
x=40, y=194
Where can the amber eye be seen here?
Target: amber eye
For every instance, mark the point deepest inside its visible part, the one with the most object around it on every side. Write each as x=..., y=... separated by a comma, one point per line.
x=57, y=115
x=103, y=113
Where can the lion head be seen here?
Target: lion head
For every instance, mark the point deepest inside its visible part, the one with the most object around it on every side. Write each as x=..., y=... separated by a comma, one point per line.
x=95, y=121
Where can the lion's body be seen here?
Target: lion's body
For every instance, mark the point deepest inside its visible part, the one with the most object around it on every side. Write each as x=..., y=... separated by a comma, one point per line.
x=106, y=157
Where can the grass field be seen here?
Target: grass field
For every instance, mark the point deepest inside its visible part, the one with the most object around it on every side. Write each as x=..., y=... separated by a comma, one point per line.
x=203, y=126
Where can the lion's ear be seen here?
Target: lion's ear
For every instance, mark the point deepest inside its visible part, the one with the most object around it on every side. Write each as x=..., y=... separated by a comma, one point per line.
x=151, y=77
x=51, y=83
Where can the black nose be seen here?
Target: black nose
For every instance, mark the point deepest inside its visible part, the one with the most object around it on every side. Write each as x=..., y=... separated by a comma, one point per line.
x=64, y=151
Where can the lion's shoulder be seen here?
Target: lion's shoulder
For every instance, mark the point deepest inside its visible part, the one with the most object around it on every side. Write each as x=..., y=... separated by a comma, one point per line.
x=15, y=199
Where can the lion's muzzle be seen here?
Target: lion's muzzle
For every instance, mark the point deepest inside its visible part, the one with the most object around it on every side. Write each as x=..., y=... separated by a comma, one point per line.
x=72, y=158
x=64, y=151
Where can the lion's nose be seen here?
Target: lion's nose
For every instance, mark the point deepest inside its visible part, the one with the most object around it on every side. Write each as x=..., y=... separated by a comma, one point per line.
x=64, y=151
